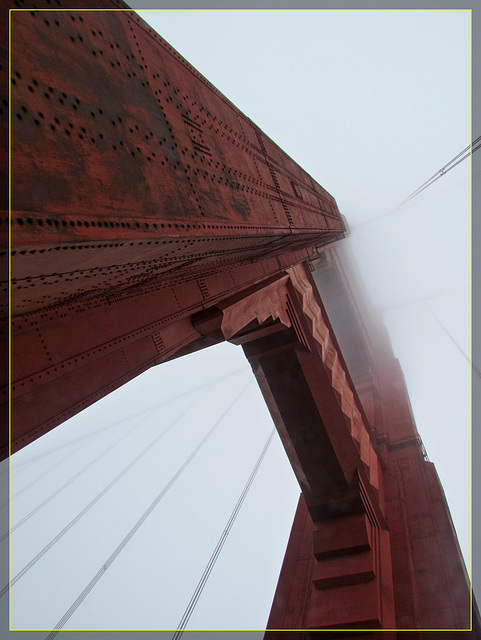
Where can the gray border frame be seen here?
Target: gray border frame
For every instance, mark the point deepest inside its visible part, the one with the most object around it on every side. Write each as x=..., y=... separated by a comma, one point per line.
x=475, y=6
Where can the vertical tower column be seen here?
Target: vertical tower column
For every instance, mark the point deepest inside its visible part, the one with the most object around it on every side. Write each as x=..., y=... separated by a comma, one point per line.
x=339, y=574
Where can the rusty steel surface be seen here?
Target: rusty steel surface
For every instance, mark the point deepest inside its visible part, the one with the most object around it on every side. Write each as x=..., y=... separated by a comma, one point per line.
x=140, y=195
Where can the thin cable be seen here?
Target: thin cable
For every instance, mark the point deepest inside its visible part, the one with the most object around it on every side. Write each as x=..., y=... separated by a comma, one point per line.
x=458, y=346
x=69, y=482
x=26, y=463
x=227, y=529
x=468, y=151
x=34, y=482
x=443, y=169
x=47, y=547
x=87, y=438
x=116, y=424
x=418, y=191
x=71, y=610
x=450, y=165
x=442, y=294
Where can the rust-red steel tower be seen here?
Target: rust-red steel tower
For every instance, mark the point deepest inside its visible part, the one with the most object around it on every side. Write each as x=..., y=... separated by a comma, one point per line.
x=150, y=218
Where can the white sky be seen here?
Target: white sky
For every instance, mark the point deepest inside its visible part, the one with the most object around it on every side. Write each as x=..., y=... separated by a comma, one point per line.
x=371, y=104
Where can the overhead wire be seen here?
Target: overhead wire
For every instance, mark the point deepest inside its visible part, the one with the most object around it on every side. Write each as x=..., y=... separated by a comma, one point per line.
x=221, y=542
x=78, y=601
x=18, y=467
x=85, y=441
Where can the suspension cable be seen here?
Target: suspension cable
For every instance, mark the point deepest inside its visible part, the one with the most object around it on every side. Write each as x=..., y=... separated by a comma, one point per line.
x=68, y=482
x=100, y=495
x=222, y=540
x=85, y=441
x=456, y=344
x=71, y=610
x=24, y=464
x=105, y=451
x=465, y=153
x=424, y=299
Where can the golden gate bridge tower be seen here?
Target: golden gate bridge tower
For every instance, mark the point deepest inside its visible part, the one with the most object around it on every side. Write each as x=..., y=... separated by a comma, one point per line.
x=151, y=218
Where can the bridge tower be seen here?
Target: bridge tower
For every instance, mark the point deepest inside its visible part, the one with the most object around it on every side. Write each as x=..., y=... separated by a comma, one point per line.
x=150, y=218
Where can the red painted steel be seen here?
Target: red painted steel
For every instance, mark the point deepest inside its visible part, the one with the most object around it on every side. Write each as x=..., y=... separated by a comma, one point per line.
x=140, y=195
x=151, y=218
x=372, y=545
